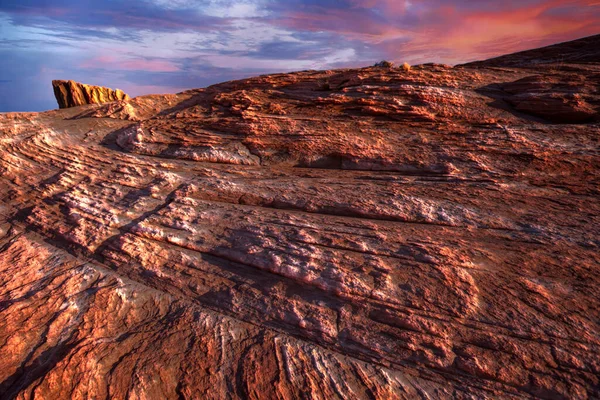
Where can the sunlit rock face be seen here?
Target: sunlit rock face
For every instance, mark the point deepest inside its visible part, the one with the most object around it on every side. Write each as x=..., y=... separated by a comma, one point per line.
x=73, y=94
x=363, y=233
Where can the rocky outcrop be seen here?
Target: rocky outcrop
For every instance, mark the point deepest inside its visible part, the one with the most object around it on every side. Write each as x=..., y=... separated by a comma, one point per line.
x=359, y=233
x=563, y=98
x=73, y=94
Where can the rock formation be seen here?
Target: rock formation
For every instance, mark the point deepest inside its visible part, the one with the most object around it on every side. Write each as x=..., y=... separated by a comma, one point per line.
x=357, y=233
x=73, y=94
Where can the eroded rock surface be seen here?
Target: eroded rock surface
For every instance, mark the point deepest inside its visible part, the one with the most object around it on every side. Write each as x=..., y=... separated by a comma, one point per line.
x=559, y=98
x=73, y=94
x=322, y=234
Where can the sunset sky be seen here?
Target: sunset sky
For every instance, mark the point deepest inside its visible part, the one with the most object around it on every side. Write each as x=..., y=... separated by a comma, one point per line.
x=165, y=46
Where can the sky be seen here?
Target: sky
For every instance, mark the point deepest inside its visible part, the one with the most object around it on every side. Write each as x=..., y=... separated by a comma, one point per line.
x=167, y=46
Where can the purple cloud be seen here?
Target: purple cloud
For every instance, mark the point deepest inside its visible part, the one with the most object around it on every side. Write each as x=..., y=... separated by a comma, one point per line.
x=169, y=45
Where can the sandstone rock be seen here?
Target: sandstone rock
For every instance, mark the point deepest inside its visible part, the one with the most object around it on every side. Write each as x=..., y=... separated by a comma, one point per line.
x=384, y=64
x=73, y=94
x=395, y=236
x=565, y=98
x=555, y=107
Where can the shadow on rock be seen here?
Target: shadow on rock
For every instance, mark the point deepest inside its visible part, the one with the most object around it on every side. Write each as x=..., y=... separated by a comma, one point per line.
x=564, y=99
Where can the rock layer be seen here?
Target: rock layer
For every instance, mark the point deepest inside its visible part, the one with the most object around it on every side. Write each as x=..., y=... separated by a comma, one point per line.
x=73, y=94
x=357, y=233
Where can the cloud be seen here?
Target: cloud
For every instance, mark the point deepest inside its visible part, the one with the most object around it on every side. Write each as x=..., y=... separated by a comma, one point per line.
x=444, y=31
x=170, y=45
x=108, y=13
x=129, y=64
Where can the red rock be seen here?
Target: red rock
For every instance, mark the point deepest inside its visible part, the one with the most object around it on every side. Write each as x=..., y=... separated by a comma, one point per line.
x=560, y=99
x=73, y=94
x=396, y=235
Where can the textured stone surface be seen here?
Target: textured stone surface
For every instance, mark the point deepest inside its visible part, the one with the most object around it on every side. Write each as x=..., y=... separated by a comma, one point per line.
x=336, y=234
x=73, y=94
x=560, y=98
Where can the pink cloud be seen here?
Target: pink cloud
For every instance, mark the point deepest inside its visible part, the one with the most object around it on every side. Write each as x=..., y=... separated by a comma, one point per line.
x=482, y=34
x=452, y=32
x=129, y=64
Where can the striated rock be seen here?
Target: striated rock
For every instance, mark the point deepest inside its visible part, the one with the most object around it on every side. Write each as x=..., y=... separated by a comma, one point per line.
x=560, y=99
x=73, y=94
x=319, y=234
x=556, y=107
